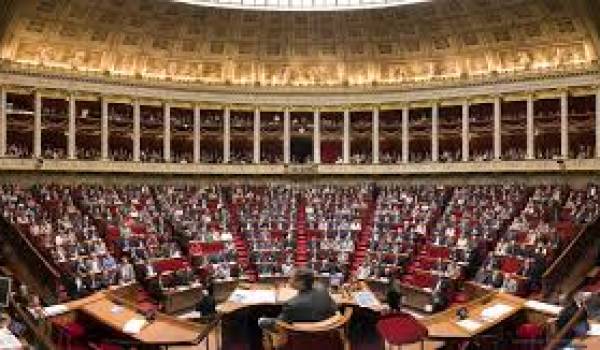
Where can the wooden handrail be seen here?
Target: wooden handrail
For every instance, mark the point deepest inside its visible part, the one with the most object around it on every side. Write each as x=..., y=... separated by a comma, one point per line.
x=37, y=330
x=330, y=324
x=567, y=250
x=571, y=252
x=33, y=248
x=558, y=337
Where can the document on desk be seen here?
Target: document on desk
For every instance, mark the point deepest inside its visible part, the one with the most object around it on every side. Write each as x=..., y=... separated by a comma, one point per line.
x=594, y=330
x=9, y=341
x=365, y=299
x=543, y=307
x=258, y=296
x=134, y=326
x=55, y=310
x=496, y=312
x=469, y=325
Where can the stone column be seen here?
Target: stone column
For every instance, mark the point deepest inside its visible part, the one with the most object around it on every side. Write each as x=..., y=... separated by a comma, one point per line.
x=136, y=130
x=598, y=122
x=435, y=128
x=317, y=136
x=465, y=131
x=346, y=141
x=197, y=133
x=37, y=125
x=3, y=121
x=104, y=128
x=564, y=124
x=167, y=132
x=375, y=136
x=530, y=128
x=71, y=139
x=286, y=136
x=257, y=135
x=226, y=135
x=497, y=128
x=405, y=134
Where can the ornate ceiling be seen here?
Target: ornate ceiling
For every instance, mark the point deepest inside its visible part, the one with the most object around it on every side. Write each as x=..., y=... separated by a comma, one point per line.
x=444, y=39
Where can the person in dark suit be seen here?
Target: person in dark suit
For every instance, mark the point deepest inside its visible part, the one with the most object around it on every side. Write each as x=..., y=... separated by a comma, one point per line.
x=312, y=304
x=393, y=295
x=207, y=305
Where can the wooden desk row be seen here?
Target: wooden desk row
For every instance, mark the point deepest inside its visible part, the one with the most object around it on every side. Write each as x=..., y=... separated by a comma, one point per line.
x=115, y=313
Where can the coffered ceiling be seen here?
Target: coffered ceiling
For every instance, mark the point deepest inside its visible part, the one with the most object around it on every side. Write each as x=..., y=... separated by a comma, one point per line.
x=438, y=40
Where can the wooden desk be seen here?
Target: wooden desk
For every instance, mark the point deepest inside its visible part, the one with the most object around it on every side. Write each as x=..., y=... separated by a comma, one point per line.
x=164, y=330
x=413, y=297
x=283, y=294
x=182, y=299
x=444, y=324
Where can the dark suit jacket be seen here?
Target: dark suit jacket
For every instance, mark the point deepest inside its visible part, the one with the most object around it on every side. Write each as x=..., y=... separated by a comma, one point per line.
x=309, y=306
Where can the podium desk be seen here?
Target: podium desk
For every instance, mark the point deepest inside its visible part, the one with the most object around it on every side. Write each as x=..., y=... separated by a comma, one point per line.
x=281, y=294
x=182, y=298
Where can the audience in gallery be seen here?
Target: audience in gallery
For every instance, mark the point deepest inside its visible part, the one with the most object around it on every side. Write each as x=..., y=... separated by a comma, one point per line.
x=431, y=237
x=514, y=153
x=182, y=157
x=361, y=158
x=88, y=153
x=152, y=155
x=548, y=153
x=18, y=151
x=54, y=153
x=582, y=152
x=121, y=154
x=241, y=156
x=271, y=158
x=213, y=156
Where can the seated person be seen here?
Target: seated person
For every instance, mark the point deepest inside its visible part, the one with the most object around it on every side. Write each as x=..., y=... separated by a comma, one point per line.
x=312, y=304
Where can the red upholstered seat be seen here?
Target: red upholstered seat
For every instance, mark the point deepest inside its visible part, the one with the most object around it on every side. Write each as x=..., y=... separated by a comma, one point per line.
x=511, y=264
x=461, y=298
x=530, y=331
x=105, y=346
x=74, y=330
x=401, y=329
x=169, y=265
x=531, y=337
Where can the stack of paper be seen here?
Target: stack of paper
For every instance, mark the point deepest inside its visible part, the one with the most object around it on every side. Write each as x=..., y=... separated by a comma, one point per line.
x=543, y=307
x=594, y=330
x=495, y=312
x=8, y=341
x=258, y=296
x=469, y=325
x=134, y=326
x=55, y=310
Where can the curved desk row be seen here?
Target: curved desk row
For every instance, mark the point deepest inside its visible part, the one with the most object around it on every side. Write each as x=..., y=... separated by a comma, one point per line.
x=125, y=319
